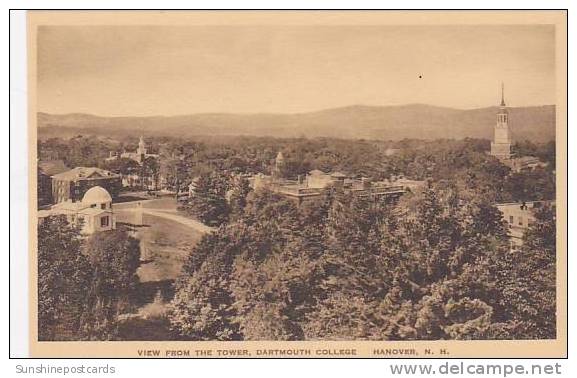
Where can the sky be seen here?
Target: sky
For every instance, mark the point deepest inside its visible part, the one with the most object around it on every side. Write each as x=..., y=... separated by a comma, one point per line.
x=173, y=70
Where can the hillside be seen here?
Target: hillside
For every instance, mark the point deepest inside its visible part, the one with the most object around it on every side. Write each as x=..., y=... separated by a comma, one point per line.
x=369, y=122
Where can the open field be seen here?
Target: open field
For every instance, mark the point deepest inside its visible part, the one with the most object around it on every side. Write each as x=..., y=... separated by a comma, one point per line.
x=164, y=247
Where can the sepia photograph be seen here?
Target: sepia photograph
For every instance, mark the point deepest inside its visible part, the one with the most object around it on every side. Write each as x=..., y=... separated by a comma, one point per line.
x=298, y=184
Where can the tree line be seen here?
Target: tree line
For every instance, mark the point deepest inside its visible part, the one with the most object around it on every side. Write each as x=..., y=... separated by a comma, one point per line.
x=465, y=162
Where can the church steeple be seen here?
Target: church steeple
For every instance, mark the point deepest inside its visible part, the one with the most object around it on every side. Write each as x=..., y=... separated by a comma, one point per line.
x=278, y=165
x=503, y=94
x=141, y=150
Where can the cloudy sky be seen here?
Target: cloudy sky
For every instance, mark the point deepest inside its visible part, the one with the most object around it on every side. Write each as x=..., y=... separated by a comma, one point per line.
x=169, y=70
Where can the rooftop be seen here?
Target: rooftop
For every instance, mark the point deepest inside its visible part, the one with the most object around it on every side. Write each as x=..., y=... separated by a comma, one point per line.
x=528, y=204
x=96, y=194
x=84, y=173
x=52, y=167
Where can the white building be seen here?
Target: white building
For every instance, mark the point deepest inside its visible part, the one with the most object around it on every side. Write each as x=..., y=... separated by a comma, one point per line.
x=501, y=144
x=138, y=156
x=519, y=216
x=94, y=213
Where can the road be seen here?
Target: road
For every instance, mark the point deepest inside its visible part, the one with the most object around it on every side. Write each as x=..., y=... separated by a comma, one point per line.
x=170, y=213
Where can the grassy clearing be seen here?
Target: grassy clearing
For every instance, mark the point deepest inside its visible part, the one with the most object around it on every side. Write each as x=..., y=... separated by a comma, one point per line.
x=165, y=246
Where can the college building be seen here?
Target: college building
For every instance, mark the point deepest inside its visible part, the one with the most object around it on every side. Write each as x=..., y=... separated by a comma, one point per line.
x=92, y=214
x=316, y=182
x=519, y=216
x=502, y=140
x=71, y=185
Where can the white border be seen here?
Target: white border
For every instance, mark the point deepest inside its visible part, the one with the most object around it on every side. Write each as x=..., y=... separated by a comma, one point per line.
x=19, y=186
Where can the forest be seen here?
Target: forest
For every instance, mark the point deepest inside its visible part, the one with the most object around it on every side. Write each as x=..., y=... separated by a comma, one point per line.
x=434, y=265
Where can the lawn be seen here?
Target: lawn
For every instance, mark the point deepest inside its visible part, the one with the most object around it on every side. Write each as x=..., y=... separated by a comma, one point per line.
x=165, y=244
x=164, y=203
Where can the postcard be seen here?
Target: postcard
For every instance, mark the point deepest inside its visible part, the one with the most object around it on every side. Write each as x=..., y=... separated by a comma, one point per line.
x=298, y=184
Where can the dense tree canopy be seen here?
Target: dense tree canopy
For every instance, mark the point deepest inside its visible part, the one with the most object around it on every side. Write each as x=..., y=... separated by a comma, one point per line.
x=360, y=268
x=83, y=284
x=208, y=201
x=64, y=276
x=114, y=257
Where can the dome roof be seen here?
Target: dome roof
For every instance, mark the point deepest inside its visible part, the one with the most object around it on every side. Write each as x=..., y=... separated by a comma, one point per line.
x=96, y=194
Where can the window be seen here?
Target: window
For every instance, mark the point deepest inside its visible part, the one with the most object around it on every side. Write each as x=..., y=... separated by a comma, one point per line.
x=93, y=205
x=103, y=206
x=520, y=221
x=104, y=222
x=511, y=219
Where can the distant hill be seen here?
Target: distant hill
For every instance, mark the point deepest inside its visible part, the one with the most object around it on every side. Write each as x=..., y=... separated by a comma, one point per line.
x=536, y=123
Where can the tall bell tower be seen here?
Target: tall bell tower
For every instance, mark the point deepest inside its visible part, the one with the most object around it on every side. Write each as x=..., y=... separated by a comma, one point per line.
x=501, y=145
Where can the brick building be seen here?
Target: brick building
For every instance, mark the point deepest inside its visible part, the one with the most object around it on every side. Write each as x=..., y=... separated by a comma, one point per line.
x=73, y=184
x=46, y=169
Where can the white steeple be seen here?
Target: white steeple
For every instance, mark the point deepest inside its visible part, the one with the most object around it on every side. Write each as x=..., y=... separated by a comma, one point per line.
x=501, y=145
x=141, y=147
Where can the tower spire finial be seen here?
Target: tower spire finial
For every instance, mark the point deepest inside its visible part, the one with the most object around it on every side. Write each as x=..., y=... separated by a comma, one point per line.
x=502, y=94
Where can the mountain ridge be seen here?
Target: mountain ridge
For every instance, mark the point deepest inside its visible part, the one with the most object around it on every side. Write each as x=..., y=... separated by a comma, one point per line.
x=411, y=121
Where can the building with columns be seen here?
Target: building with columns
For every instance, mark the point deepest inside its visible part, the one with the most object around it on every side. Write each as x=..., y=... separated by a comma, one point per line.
x=138, y=156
